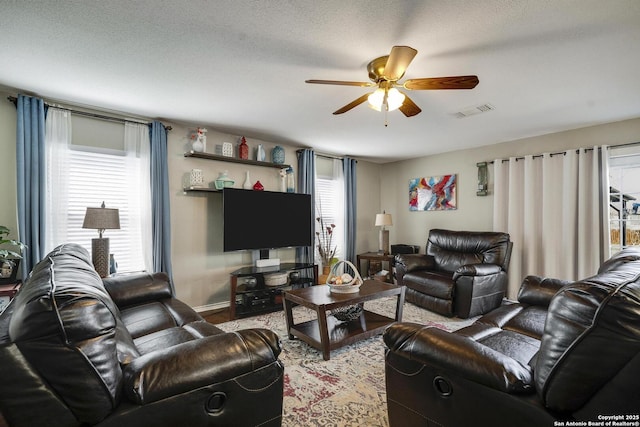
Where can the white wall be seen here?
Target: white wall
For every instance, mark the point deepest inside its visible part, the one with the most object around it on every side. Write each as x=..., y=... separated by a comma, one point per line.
x=474, y=212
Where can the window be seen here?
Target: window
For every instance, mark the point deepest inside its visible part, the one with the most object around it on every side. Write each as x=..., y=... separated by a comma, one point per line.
x=97, y=176
x=330, y=200
x=624, y=199
x=99, y=161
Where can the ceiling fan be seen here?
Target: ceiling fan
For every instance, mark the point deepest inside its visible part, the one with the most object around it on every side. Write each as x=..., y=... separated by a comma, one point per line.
x=385, y=71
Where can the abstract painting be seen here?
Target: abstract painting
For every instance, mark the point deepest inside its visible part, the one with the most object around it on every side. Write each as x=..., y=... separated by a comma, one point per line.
x=434, y=193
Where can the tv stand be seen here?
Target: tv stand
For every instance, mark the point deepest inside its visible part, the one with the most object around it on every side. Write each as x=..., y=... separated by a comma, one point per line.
x=248, y=300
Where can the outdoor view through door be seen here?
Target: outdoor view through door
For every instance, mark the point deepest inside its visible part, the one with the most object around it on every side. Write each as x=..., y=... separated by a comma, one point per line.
x=624, y=197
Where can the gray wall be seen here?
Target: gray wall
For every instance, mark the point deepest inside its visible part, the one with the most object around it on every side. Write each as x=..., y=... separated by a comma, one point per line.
x=201, y=270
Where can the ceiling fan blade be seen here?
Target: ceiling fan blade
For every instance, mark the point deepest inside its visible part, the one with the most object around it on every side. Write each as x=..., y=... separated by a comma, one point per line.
x=352, y=104
x=409, y=108
x=434, y=83
x=399, y=59
x=340, y=82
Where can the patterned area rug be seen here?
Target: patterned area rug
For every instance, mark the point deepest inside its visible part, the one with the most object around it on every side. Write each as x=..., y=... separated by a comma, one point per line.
x=349, y=389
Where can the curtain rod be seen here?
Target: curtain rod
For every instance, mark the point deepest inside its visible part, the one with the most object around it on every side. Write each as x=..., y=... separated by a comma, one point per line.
x=536, y=156
x=327, y=156
x=14, y=100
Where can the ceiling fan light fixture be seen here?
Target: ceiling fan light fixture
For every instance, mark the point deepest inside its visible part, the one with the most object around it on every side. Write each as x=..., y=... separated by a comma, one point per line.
x=395, y=98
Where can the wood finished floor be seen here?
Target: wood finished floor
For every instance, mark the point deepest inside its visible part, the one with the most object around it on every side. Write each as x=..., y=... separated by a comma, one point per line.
x=216, y=316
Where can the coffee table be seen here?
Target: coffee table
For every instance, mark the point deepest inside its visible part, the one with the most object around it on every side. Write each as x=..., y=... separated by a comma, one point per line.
x=328, y=333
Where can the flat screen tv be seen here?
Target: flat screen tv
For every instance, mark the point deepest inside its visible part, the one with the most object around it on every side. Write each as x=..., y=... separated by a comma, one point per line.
x=260, y=220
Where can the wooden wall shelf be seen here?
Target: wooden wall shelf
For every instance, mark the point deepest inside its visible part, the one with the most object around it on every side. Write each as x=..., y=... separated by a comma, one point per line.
x=209, y=156
x=200, y=190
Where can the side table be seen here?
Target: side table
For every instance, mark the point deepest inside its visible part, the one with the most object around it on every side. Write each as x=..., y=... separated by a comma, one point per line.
x=374, y=256
x=7, y=292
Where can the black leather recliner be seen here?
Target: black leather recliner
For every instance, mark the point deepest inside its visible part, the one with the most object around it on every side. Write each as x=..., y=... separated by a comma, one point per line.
x=463, y=273
x=565, y=352
x=75, y=350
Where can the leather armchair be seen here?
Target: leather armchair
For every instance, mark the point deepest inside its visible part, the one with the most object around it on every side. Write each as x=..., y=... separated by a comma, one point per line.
x=565, y=352
x=462, y=273
x=75, y=350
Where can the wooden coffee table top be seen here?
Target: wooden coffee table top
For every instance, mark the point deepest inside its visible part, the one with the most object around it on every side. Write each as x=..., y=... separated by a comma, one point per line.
x=321, y=295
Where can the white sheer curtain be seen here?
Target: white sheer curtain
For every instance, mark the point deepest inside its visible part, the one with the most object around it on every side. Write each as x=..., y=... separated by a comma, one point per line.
x=57, y=142
x=137, y=148
x=554, y=207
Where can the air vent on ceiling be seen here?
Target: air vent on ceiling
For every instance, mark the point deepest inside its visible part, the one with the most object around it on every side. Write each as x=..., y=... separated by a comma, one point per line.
x=472, y=111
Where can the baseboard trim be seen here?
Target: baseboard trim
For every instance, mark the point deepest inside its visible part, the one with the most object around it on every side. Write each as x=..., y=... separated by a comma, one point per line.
x=211, y=307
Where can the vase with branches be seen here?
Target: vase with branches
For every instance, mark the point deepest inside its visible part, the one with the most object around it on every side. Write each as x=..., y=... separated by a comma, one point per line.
x=326, y=248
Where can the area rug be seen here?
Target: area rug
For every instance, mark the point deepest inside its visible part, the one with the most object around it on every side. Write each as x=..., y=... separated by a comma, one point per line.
x=349, y=389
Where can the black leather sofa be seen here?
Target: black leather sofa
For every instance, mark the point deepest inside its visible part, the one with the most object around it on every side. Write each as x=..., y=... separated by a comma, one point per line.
x=565, y=352
x=77, y=351
x=462, y=273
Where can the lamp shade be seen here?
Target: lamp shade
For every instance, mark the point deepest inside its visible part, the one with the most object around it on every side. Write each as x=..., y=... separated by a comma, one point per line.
x=395, y=98
x=383, y=219
x=102, y=218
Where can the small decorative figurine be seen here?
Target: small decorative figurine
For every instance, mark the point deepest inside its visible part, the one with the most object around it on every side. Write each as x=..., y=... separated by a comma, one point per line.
x=258, y=186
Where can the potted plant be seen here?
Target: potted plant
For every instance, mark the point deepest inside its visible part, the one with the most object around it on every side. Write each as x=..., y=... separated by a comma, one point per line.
x=9, y=258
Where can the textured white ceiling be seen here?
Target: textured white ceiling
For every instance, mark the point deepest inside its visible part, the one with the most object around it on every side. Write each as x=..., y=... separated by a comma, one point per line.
x=239, y=66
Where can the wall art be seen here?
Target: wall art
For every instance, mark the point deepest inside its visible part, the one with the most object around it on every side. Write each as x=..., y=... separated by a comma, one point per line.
x=434, y=193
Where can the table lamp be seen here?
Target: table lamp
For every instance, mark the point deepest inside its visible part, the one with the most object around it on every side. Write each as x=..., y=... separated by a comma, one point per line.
x=383, y=219
x=101, y=219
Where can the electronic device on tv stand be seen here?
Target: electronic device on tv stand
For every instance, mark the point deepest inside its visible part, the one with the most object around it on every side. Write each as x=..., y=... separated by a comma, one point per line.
x=263, y=220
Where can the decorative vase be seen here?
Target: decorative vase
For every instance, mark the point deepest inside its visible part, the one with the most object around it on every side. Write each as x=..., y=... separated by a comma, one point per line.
x=277, y=155
x=247, y=181
x=243, y=149
x=200, y=142
x=113, y=265
x=258, y=186
x=197, y=145
x=260, y=155
x=283, y=180
x=291, y=184
x=326, y=271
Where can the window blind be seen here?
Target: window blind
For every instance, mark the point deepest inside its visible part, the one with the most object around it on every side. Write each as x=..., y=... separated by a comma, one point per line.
x=328, y=195
x=95, y=177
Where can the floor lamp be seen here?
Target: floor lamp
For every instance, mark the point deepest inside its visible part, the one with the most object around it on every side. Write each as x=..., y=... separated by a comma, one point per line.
x=101, y=219
x=383, y=220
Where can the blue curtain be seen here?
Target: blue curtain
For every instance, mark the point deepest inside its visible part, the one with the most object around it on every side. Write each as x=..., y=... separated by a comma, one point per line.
x=160, y=214
x=350, y=213
x=307, y=185
x=31, y=190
